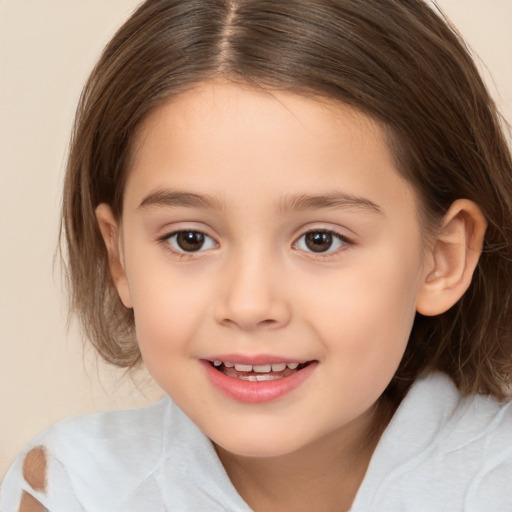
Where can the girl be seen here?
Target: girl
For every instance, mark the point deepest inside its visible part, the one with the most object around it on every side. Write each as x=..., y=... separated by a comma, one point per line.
x=298, y=214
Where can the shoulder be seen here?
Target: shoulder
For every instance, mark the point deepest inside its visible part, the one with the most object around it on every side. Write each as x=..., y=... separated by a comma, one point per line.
x=475, y=427
x=110, y=440
x=101, y=454
x=456, y=420
x=110, y=422
x=470, y=451
x=107, y=436
x=449, y=451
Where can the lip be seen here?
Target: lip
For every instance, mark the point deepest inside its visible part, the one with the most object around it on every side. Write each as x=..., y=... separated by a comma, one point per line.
x=256, y=392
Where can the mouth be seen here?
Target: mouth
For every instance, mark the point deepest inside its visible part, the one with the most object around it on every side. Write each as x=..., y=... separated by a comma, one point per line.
x=258, y=372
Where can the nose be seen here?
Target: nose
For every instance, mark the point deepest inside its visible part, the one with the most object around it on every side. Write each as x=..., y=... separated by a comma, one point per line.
x=253, y=295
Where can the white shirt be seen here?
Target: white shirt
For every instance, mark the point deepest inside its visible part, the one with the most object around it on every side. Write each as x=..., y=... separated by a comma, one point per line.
x=439, y=453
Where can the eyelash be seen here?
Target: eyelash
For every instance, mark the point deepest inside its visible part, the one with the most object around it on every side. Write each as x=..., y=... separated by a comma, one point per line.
x=343, y=241
x=182, y=253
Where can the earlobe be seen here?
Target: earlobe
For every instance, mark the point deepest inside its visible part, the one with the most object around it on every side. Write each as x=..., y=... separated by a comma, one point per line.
x=452, y=259
x=110, y=231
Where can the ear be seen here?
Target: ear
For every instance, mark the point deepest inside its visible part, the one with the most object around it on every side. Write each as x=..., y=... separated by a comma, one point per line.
x=110, y=230
x=452, y=259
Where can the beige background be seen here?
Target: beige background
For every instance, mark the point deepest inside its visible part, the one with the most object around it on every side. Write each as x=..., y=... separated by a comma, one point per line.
x=47, y=48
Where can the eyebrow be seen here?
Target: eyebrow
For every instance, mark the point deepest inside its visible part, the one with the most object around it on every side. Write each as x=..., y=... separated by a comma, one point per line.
x=330, y=200
x=302, y=202
x=174, y=198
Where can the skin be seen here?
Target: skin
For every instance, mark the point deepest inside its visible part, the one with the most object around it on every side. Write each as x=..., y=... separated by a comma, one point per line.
x=256, y=288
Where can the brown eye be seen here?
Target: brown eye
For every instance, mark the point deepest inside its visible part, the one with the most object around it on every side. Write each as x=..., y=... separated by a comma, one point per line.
x=320, y=242
x=190, y=241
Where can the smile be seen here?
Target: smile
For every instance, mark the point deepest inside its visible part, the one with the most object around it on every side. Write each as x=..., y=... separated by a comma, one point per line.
x=256, y=383
x=258, y=373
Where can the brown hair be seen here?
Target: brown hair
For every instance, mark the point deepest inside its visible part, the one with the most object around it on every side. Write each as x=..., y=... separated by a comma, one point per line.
x=397, y=61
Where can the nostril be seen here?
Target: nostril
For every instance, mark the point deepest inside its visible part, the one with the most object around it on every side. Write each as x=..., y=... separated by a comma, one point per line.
x=252, y=305
x=267, y=322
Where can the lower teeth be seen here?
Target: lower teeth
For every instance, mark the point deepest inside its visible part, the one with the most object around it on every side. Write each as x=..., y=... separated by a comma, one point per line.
x=254, y=378
x=230, y=371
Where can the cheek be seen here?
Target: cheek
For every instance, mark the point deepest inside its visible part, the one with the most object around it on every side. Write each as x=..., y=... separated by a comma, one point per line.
x=168, y=307
x=365, y=329
x=367, y=312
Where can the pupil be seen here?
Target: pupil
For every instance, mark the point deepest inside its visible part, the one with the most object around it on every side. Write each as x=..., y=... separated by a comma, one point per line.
x=318, y=241
x=190, y=241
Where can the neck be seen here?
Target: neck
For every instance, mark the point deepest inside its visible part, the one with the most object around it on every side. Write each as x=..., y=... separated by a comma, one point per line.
x=323, y=475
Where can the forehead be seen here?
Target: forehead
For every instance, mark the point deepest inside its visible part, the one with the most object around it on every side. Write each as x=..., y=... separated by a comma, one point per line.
x=225, y=138
x=216, y=109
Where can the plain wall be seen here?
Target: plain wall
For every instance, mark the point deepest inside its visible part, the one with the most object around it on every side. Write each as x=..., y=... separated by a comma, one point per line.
x=47, y=48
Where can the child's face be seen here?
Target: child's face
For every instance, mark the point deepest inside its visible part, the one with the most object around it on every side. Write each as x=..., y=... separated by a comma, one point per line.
x=297, y=241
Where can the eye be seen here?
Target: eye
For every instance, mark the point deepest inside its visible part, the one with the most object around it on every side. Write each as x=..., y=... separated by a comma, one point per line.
x=190, y=241
x=320, y=241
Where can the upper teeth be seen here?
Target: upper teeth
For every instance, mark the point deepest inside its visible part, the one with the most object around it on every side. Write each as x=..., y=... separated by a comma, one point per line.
x=263, y=368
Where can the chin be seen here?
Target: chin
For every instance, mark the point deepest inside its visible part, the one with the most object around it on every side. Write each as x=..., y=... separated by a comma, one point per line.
x=260, y=445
